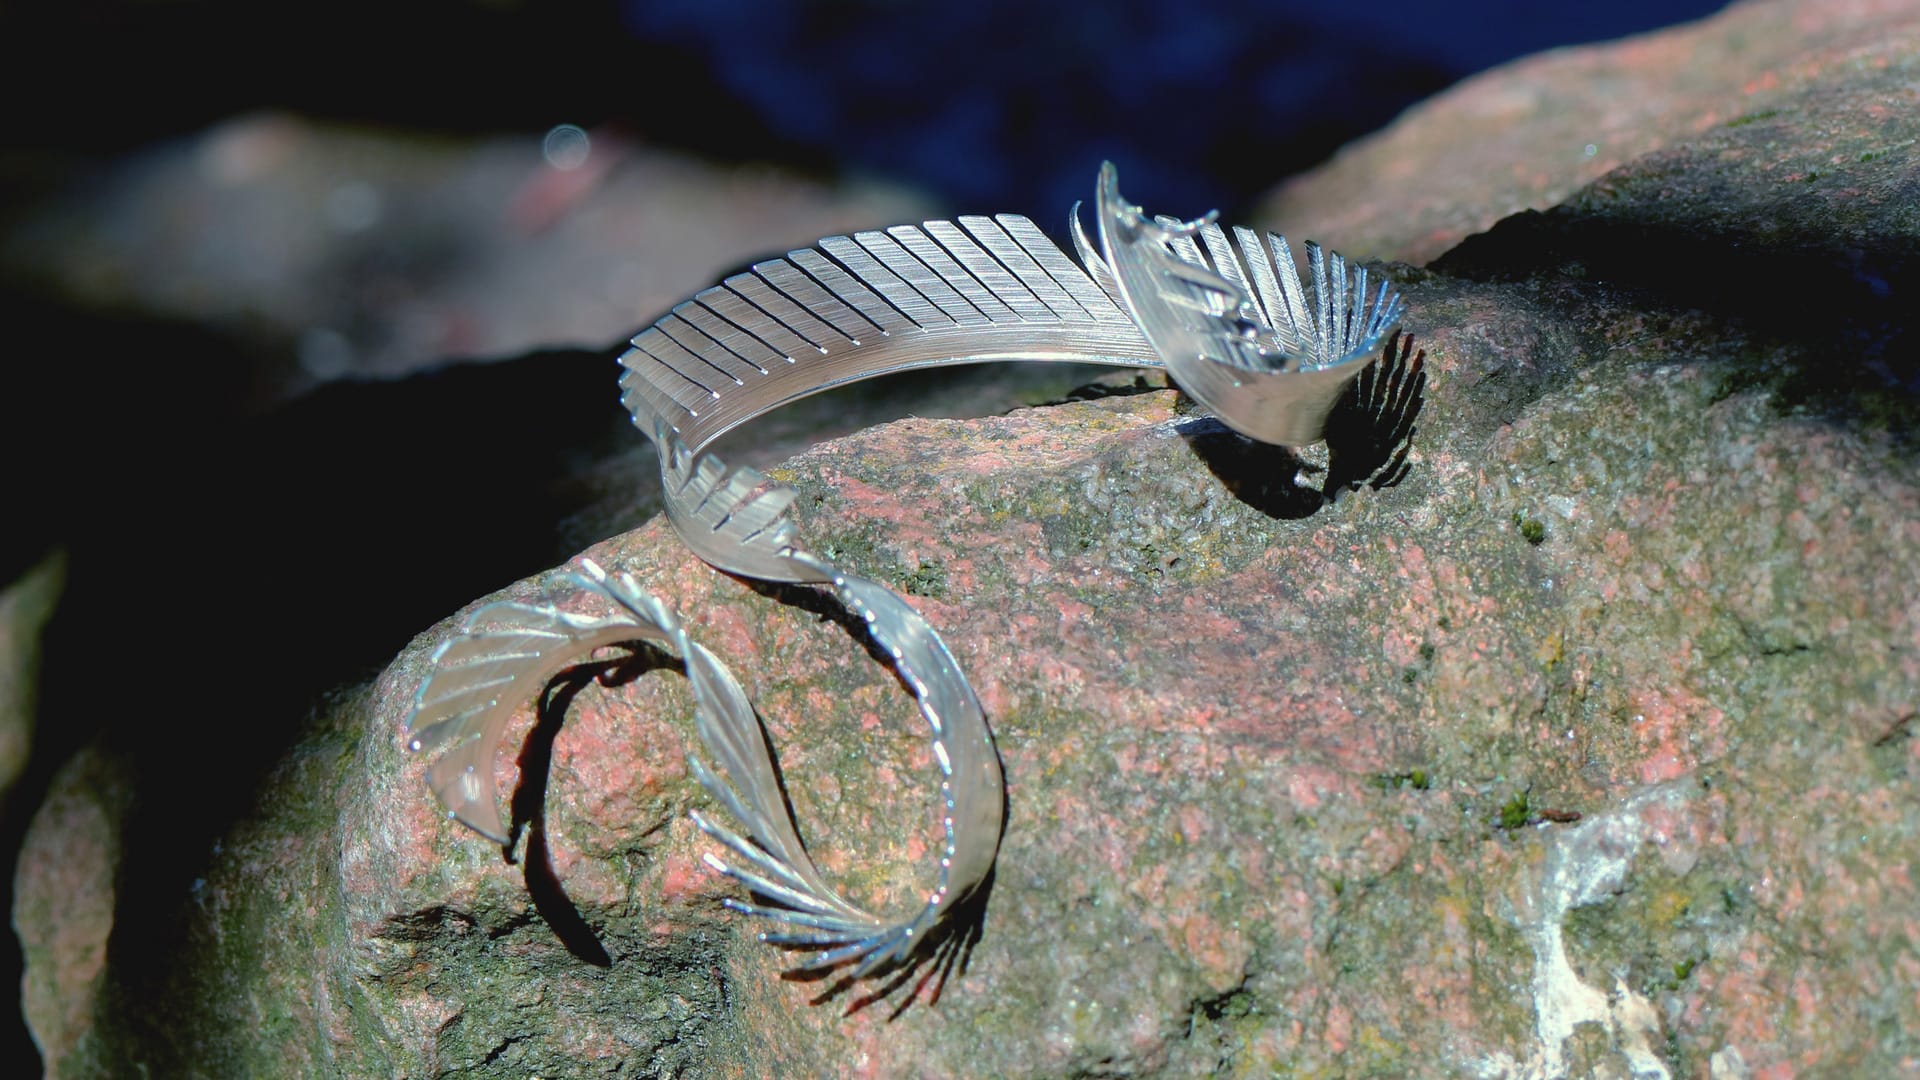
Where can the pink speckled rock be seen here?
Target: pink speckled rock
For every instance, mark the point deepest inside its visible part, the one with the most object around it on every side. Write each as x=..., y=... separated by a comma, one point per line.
x=63, y=911
x=1589, y=750
x=1529, y=133
x=1258, y=768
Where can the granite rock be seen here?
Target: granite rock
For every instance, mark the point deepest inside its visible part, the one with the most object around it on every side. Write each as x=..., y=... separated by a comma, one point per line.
x=64, y=902
x=1529, y=133
x=1588, y=750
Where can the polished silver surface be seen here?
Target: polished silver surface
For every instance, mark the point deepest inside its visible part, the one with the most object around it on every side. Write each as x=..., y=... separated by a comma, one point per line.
x=503, y=655
x=1244, y=338
x=1235, y=329
x=507, y=652
x=876, y=303
x=1231, y=322
x=736, y=521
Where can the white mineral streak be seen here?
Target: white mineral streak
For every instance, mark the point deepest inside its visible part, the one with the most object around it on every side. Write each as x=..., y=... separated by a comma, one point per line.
x=1727, y=1064
x=1587, y=864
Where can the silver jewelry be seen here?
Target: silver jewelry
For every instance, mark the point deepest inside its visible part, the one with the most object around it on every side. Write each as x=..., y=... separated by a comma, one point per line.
x=1243, y=337
x=1230, y=322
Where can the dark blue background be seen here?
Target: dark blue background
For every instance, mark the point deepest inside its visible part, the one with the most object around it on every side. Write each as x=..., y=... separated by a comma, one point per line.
x=992, y=104
x=1003, y=105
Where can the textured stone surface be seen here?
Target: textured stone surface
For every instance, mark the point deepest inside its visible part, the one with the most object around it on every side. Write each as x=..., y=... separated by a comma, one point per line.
x=1589, y=750
x=1529, y=133
x=64, y=901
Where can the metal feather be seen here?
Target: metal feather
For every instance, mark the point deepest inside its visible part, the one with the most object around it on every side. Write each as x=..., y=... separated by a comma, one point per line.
x=483, y=676
x=506, y=651
x=976, y=290
x=1244, y=337
x=1230, y=320
x=735, y=516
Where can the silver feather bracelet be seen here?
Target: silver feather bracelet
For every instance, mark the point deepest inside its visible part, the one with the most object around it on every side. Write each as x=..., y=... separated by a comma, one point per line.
x=1228, y=319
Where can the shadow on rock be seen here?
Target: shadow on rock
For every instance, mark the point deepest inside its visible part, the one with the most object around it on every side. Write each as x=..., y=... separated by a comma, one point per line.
x=950, y=947
x=544, y=888
x=1369, y=435
x=1836, y=306
x=1371, y=431
x=290, y=552
x=1262, y=475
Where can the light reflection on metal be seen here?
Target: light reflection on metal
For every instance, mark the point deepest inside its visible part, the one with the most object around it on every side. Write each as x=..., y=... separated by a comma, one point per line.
x=1231, y=322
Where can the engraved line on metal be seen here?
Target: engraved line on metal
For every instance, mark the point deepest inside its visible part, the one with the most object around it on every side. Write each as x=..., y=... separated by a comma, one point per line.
x=921, y=278
x=959, y=278
x=925, y=244
x=778, y=288
x=661, y=346
x=701, y=347
x=728, y=303
x=1060, y=268
x=1017, y=259
x=883, y=315
x=735, y=339
x=997, y=279
x=909, y=301
x=1227, y=266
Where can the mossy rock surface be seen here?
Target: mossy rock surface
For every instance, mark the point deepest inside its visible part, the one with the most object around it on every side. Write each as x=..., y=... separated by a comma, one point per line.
x=1588, y=750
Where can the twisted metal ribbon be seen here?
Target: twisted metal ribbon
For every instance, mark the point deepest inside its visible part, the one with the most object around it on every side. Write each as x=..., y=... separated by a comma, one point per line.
x=1231, y=323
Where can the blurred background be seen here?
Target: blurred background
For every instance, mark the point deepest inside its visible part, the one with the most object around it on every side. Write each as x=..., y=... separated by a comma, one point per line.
x=246, y=248
x=361, y=187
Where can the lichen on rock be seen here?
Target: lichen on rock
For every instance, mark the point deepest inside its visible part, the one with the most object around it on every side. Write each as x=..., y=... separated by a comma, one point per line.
x=1257, y=761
